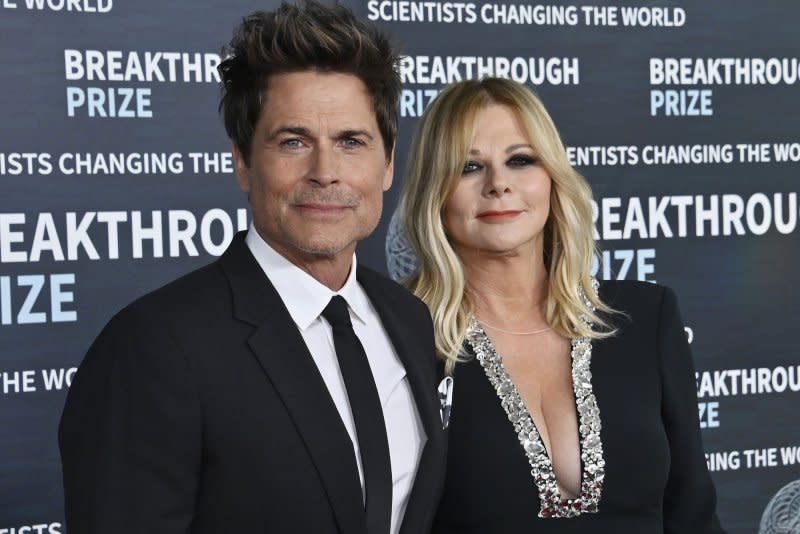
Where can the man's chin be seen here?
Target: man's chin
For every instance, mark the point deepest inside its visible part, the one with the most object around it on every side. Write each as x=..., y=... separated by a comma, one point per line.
x=323, y=250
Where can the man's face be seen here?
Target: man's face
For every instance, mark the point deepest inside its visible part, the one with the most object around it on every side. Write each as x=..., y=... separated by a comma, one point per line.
x=318, y=168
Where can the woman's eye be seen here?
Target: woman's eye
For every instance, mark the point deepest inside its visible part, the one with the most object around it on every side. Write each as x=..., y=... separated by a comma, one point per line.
x=521, y=161
x=469, y=167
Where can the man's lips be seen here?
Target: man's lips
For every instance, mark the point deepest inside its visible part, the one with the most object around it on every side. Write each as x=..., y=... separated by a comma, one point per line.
x=322, y=209
x=498, y=215
x=321, y=206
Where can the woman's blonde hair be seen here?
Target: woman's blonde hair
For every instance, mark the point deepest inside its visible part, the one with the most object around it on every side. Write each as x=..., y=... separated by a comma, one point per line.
x=439, y=150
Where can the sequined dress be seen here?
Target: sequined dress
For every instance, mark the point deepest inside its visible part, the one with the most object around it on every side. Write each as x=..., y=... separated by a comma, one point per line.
x=643, y=469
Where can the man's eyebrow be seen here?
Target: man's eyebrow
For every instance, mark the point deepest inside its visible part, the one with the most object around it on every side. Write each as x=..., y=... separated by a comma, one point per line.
x=294, y=130
x=354, y=133
x=305, y=132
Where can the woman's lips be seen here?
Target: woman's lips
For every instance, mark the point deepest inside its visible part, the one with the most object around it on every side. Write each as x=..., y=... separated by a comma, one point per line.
x=498, y=216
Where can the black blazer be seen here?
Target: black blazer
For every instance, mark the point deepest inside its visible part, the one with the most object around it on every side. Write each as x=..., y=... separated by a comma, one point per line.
x=656, y=479
x=199, y=409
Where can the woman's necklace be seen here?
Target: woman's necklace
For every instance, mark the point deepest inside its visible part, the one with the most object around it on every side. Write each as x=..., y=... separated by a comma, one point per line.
x=532, y=332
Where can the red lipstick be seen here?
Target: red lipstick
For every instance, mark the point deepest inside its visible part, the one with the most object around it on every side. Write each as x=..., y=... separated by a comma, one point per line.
x=498, y=215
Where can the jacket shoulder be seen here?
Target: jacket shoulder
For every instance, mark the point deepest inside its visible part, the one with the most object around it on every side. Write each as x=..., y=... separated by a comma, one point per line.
x=391, y=289
x=185, y=299
x=632, y=295
x=637, y=305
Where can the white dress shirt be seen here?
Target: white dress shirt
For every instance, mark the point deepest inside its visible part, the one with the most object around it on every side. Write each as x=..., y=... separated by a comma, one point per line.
x=305, y=298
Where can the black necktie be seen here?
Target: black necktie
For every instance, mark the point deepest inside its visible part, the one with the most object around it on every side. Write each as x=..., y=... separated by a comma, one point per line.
x=367, y=415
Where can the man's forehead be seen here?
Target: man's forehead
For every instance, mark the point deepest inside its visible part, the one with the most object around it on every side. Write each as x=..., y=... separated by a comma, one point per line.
x=323, y=87
x=316, y=101
x=332, y=122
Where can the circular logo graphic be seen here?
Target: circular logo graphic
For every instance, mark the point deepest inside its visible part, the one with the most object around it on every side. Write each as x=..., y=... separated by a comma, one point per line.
x=400, y=258
x=782, y=514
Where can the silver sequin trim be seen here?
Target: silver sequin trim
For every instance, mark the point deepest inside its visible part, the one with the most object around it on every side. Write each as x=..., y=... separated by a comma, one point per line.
x=551, y=504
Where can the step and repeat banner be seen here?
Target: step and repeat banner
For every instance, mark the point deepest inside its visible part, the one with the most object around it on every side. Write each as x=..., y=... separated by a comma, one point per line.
x=116, y=177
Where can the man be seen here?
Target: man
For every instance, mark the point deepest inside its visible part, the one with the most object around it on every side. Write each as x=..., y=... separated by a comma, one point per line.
x=248, y=396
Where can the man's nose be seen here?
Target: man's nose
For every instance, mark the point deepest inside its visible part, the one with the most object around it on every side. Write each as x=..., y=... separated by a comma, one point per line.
x=323, y=168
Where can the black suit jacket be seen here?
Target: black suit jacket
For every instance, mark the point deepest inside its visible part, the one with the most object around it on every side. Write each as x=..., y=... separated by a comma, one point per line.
x=200, y=410
x=656, y=480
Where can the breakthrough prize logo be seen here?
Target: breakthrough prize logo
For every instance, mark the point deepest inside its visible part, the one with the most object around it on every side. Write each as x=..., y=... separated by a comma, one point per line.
x=400, y=258
x=782, y=514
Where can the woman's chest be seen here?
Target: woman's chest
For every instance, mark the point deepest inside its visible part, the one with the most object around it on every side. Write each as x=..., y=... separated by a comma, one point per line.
x=626, y=383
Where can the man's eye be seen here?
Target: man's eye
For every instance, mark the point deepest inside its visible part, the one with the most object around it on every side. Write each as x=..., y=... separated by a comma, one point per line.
x=470, y=167
x=292, y=143
x=351, y=142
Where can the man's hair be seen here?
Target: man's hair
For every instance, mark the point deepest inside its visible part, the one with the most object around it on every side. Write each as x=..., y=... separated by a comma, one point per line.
x=305, y=37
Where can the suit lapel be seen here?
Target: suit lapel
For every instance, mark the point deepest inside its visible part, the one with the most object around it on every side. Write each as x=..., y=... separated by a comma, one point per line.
x=279, y=347
x=419, y=362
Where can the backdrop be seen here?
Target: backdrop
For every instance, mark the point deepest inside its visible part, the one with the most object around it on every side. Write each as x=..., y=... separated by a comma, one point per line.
x=116, y=176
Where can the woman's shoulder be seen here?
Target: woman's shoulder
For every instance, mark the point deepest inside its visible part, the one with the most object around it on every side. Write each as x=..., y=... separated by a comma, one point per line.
x=639, y=306
x=633, y=296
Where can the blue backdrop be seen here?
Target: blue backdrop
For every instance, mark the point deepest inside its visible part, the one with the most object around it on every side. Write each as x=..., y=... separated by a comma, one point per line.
x=115, y=177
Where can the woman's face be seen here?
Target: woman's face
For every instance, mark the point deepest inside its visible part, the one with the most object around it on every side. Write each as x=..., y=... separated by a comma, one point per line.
x=502, y=199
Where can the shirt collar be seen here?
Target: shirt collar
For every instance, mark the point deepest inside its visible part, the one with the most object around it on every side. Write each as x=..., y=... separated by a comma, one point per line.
x=303, y=296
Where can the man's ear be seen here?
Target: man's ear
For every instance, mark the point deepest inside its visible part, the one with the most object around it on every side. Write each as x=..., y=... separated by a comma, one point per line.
x=242, y=170
x=388, y=177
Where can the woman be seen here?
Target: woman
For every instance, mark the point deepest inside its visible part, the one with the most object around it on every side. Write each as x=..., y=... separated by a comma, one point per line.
x=574, y=406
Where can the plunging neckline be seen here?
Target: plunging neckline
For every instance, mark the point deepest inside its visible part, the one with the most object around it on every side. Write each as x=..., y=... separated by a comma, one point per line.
x=589, y=443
